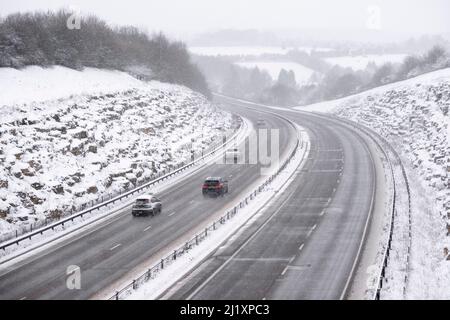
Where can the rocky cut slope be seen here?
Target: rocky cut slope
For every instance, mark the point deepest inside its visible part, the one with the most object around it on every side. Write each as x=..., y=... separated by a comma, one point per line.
x=56, y=155
x=413, y=115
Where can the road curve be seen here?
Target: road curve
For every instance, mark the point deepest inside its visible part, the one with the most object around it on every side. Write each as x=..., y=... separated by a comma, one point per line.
x=109, y=251
x=306, y=245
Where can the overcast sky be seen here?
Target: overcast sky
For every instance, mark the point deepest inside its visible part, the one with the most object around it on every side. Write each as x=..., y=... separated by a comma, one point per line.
x=181, y=18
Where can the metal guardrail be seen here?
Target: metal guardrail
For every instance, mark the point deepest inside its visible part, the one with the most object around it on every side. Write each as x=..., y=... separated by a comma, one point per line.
x=122, y=195
x=153, y=271
x=372, y=134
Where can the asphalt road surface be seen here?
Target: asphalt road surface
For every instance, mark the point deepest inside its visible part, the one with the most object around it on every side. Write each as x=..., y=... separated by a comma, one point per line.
x=306, y=243
x=108, y=252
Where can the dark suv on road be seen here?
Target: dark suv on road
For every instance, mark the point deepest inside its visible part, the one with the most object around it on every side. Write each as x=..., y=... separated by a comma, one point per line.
x=215, y=186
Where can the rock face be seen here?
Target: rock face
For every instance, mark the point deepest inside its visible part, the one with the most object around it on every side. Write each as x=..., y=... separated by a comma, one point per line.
x=58, y=189
x=92, y=190
x=92, y=148
x=37, y=185
x=4, y=213
x=76, y=150
x=4, y=184
x=415, y=120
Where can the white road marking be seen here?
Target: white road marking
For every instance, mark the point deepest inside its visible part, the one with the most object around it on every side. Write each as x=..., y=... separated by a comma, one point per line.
x=147, y=228
x=262, y=259
x=171, y=214
x=23, y=298
x=329, y=150
x=284, y=271
x=310, y=231
x=115, y=247
x=301, y=247
x=322, y=213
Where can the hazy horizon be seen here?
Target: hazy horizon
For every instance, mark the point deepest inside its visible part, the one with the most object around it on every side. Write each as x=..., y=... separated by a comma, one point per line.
x=351, y=20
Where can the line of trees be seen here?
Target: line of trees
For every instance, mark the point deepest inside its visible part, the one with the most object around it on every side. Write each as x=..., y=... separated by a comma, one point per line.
x=328, y=82
x=339, y=82
x=228, y=78
x=44, y=39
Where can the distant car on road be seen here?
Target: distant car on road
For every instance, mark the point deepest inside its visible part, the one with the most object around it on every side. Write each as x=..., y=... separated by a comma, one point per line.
x=233, y=154
x=146, y=205
x=215, y=186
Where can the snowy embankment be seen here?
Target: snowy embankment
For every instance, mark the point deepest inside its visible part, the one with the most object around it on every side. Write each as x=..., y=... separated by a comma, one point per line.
x=413, y=115
x=69, y=137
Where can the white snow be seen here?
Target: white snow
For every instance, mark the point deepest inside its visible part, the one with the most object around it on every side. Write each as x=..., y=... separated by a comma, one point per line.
x=91, y=221
x=302, y=73
x=413, y=116
x=249, y=50
x=361, y=62
x=38, y=84
x=77, y=136
x=330, y=105
x=237, y=50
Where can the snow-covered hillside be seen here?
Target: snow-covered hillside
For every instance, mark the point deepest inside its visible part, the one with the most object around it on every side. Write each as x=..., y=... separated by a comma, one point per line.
x=68, y=137
x=361, y=62
x=413, y=115
x=34, y=83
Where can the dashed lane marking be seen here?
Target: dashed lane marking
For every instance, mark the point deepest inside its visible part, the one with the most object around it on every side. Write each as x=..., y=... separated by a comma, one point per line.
x=311, y=230
x=115, y=247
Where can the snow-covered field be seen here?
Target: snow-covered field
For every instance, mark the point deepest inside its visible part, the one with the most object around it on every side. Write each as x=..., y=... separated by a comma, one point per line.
x=413, y=116
x=248, y=50
x=361, y=62
x=68, y=137
x=34, y=83
x=302, y=73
